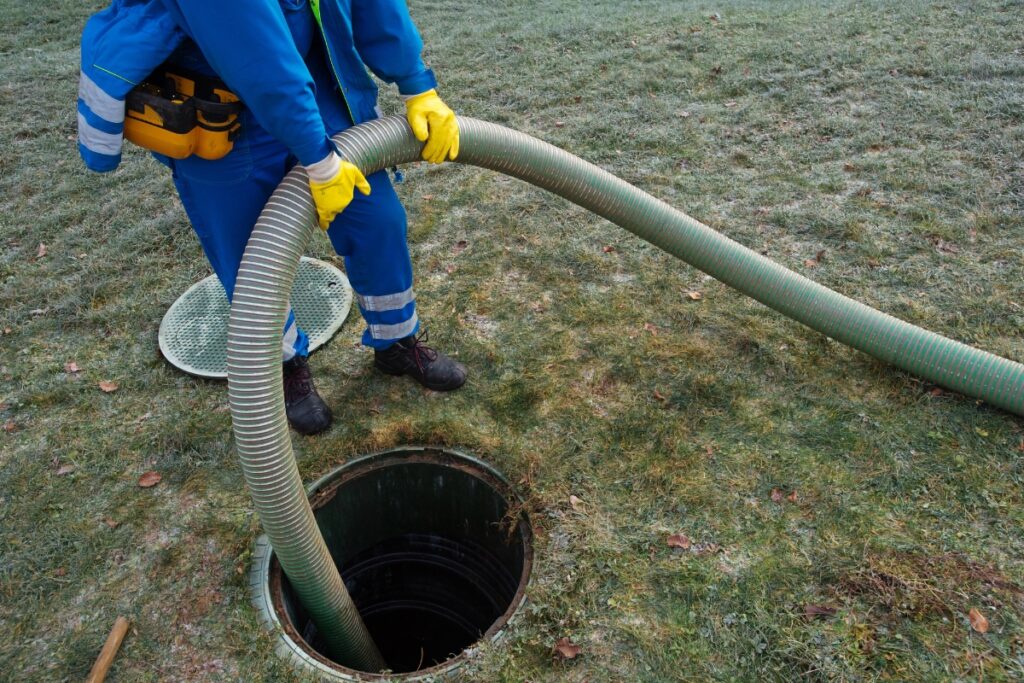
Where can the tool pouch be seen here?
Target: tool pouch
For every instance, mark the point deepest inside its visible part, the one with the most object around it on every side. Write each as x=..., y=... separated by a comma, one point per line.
x=179, y=114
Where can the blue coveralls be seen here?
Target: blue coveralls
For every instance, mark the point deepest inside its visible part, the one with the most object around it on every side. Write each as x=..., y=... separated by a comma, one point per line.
x=301, y=80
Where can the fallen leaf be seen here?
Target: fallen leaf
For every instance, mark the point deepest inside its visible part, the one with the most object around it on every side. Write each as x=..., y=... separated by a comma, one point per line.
x=111, y=522
x=683, y=114
x=978, y=621
x=946, y=247
x=41, y=252
x=566, y=649
x=576, y=503
x=730, y=104
x=792, y=498
x=776, y=496
x=716, y=70
x=1020, y=446
x=108, y=387
x=810, y=263
x=146, y=416
x=607, y=248
x=874, y=263
x=60, y=571
x=460, y=246
x=981, y=432
x=849, y=168
x=651, y=328
x=820, y=256
x=149, y=479
x=71, y=367
x=9, y=426
x=65, y=469
x=694, y=296
x=715, y=17
x=8, y=330
x=812, y=611
x=679, y=541
x=709, y=450
x=658, y=396
x=559, y=124
x=39, y=311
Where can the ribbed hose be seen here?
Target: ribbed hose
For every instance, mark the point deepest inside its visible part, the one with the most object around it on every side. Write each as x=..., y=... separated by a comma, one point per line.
x=271, y=259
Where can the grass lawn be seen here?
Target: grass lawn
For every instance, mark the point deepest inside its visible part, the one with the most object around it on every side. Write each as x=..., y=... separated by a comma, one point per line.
x=844, y=517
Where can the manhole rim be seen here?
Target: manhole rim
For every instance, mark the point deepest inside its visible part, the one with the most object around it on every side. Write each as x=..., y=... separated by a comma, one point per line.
x=290, y=646
x=316, y=341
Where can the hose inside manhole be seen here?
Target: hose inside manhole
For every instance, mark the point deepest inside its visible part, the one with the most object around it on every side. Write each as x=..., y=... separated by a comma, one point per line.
x=268, y=269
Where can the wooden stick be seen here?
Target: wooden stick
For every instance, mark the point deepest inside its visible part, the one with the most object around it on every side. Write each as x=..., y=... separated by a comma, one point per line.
x=110, y=648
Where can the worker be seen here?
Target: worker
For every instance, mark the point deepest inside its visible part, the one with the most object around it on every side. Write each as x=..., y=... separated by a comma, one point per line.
x=299, y=69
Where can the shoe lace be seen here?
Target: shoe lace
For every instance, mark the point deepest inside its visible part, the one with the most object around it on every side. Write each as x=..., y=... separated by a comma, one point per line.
x=420, y=351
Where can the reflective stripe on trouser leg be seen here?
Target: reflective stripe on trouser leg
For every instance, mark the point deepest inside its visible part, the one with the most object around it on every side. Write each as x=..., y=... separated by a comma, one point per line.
x=371, y=234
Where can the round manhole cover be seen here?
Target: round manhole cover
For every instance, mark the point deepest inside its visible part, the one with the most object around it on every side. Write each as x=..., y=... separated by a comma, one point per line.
x=194, y=331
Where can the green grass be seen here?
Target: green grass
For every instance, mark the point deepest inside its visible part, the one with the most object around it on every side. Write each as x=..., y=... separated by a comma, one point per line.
x=887, y=134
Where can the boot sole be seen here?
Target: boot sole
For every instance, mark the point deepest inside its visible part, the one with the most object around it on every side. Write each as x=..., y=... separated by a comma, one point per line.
x=398, y=373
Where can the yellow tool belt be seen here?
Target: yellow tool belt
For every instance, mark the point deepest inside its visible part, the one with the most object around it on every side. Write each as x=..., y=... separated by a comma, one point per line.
x=179, y=113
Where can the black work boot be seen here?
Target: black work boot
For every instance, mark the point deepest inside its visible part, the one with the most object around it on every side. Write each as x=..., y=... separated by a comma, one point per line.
x=307, y=412
x=429, y=367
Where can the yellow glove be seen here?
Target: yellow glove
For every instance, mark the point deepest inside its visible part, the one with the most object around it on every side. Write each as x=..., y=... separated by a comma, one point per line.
x=433, y=122
x=333, y=182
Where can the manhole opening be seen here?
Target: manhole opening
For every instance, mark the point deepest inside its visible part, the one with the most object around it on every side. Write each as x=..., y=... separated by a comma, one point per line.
x=432, y=547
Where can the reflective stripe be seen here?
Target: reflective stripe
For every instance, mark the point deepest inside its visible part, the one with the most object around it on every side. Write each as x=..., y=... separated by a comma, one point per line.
x=291, y=333
x=397, y=331
x=386, y=302
x=95, y=140
x=101, y=104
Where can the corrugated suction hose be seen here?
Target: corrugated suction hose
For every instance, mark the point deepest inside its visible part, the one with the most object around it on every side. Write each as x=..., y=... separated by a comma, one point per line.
x=272, y=256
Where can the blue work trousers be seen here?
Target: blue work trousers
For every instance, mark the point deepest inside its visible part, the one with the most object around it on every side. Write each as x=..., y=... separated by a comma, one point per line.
x=223, y=199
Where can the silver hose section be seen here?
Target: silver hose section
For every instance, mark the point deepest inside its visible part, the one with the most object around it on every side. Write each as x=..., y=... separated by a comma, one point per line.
x=271, y=260
x=256, y=393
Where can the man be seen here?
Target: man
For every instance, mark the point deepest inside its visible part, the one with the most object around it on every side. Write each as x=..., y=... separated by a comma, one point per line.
x=299, y=70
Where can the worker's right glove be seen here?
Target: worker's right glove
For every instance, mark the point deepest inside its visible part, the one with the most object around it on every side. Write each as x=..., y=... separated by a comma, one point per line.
x=333, y=182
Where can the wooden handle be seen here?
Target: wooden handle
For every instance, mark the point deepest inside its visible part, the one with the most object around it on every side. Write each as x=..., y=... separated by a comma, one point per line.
x=110, y=648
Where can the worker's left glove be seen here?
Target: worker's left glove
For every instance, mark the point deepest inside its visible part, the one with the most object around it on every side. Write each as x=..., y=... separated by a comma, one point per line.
x=333, y=182
x=433, y=122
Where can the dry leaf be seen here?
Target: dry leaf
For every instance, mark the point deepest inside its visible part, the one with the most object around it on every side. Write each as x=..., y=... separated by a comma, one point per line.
x=460, y=246
x=694, y=296
x=820, y=256
x=937, y=391
x=658, y=396
x=683, y=114
x=566, y=649
x=776, y=496
x=450, y=268
x=812, y=611
x=427, y=197
x=730, y=104
x=576, y=503
x=608, y=249
x=65, y=469
x=651, y=328
x=849, y=168
x=108, y=387
x=978, y=621
x=9, y=426
x=71, y=367
x=810, y=263
x=60, y=571
x=792, y=498
x=679, y=541
x=41, y=252
x=1020, y=446
x=111, y=522
x=559, y=124
x=149, y=479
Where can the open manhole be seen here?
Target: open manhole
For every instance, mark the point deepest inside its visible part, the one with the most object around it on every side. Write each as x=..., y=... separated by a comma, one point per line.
x=194, y=331
x=433, y=548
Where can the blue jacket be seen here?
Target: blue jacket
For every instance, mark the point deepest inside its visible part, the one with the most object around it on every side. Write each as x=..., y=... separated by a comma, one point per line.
x=257, y=47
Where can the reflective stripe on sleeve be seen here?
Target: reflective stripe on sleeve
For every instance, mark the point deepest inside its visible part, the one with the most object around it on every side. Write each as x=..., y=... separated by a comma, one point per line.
x=103, y=105
x=96, y=140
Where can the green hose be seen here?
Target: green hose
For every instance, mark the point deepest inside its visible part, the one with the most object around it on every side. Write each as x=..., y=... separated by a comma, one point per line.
x=268, y=269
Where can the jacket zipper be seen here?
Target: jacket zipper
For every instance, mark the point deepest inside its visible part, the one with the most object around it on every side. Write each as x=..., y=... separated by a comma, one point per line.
x=315, y=6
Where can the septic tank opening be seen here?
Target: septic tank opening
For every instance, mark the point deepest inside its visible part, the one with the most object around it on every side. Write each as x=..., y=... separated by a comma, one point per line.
x=433, y=548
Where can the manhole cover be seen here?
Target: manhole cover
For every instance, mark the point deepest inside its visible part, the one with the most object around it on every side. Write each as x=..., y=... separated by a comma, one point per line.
x=194, y=331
